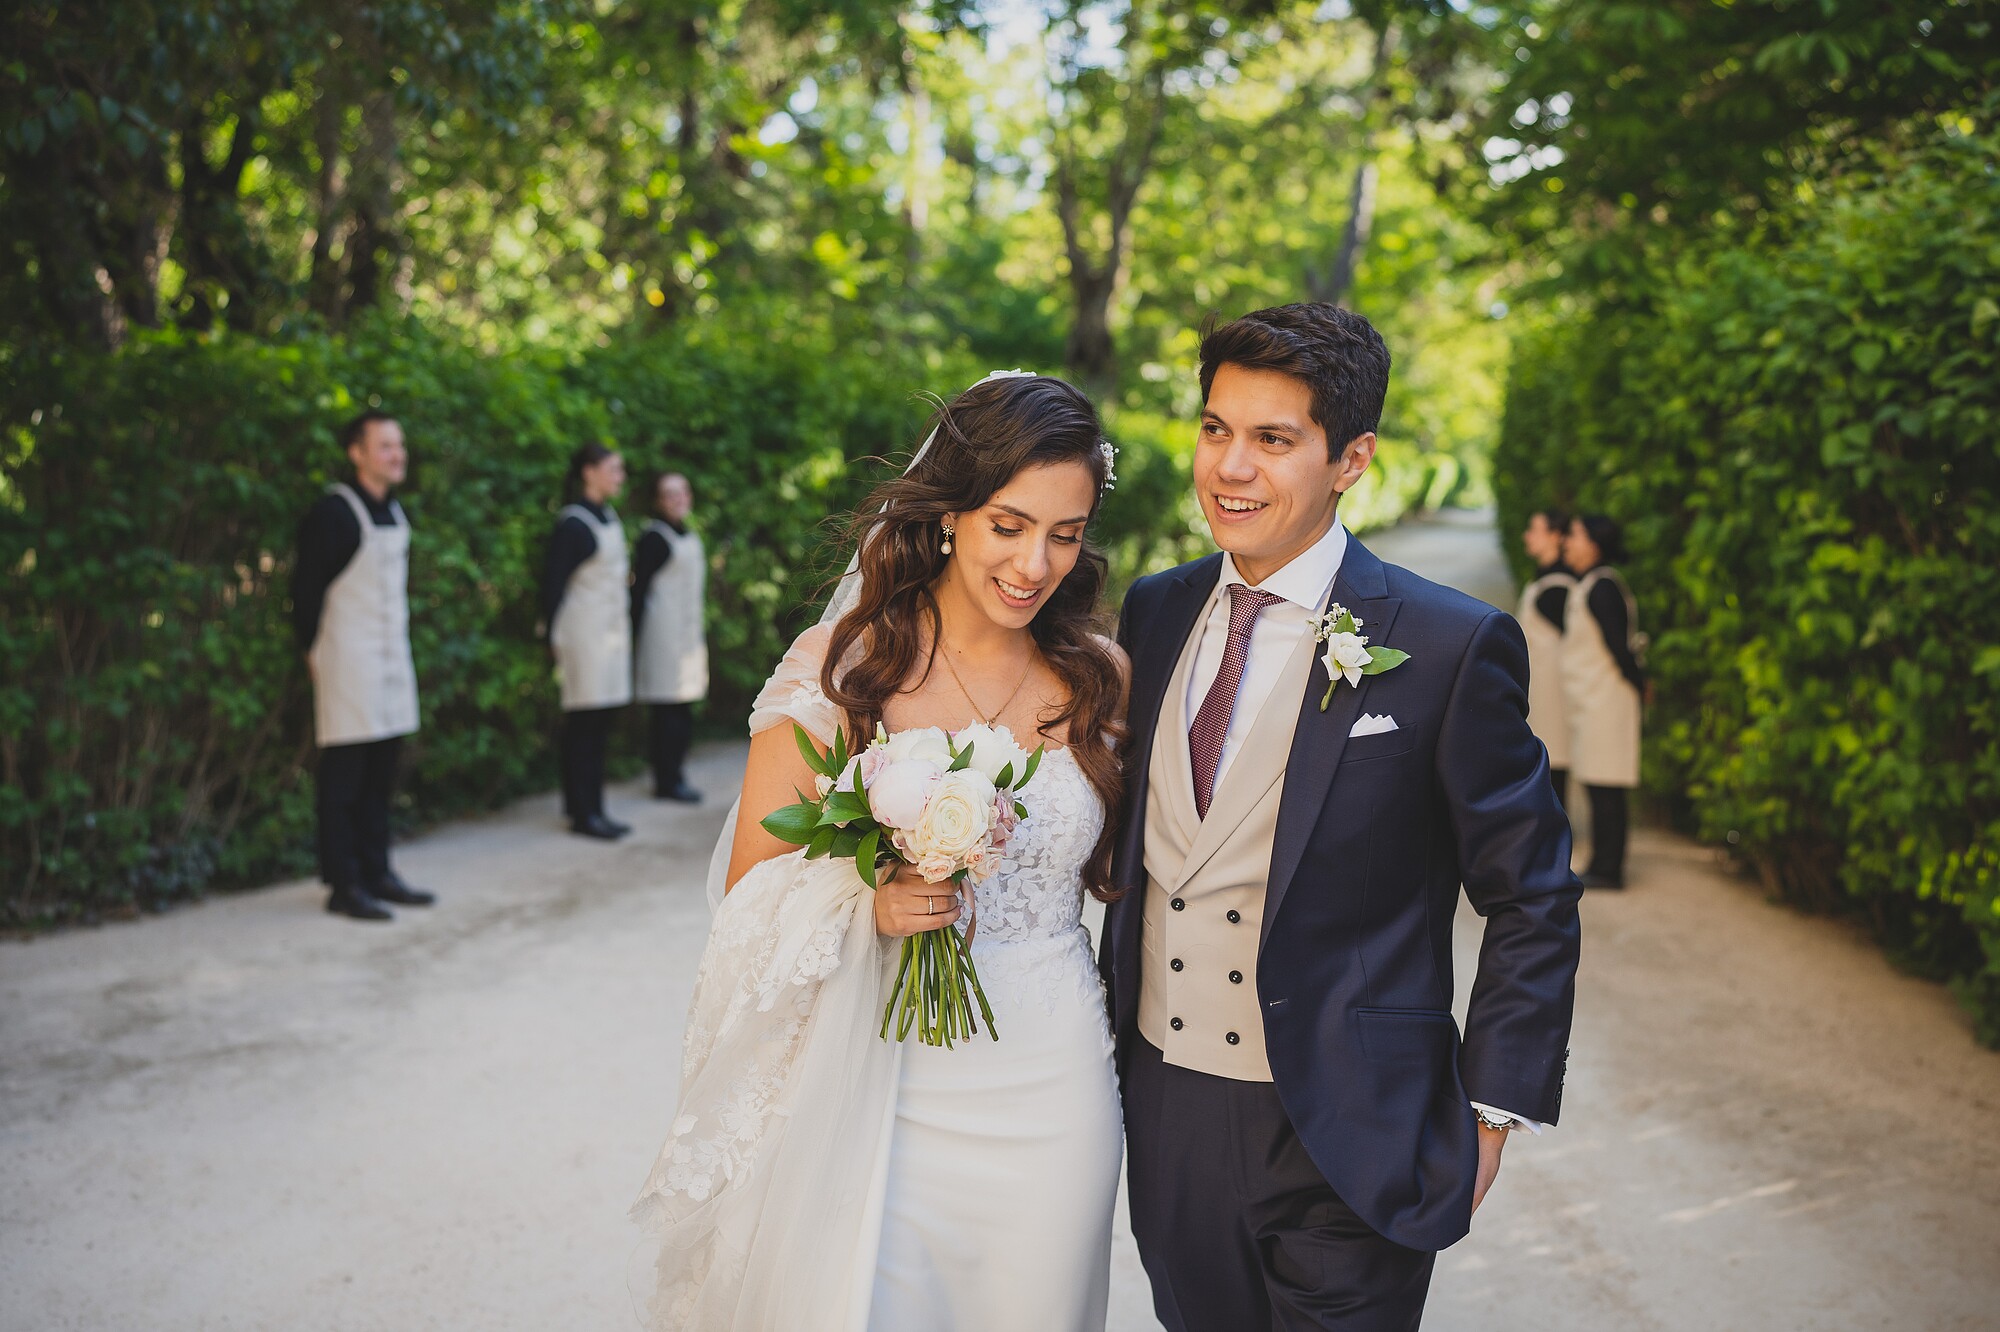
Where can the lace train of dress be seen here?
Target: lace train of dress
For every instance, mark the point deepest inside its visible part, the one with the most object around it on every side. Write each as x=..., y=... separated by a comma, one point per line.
x=818, y=1177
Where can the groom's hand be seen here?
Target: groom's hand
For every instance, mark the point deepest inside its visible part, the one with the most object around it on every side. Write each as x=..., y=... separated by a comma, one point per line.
x=906, y=905
x=1490, y=1143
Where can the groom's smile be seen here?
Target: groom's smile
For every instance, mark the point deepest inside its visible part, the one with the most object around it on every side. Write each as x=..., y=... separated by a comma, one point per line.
x=1267, y=481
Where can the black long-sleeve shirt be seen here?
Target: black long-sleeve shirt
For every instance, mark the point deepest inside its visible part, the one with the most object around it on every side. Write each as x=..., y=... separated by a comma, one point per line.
x=329, y=535
x=652, y=554
x=1554, y=599
x=572, y=544
x=1607, y=607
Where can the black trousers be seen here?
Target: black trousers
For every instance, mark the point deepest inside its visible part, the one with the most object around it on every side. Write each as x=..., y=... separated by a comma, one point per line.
x=1608, y=824
x=580, y=753
x=669, y=733
x=1237, y=1228
x=354, y=786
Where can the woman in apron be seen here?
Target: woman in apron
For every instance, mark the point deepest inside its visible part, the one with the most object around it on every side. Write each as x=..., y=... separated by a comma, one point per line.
x=1541, y=617
x=1605, y=683
x=584, y=605
x=668, y=579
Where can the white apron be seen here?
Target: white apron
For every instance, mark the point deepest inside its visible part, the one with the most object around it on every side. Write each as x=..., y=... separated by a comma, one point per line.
x=673, y=647
x=1548, y=713
x=364, y=679
x=592, y=634
x=1603, y=705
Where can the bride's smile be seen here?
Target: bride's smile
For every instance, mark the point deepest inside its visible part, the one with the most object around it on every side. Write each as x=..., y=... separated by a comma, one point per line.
x=1010, y=556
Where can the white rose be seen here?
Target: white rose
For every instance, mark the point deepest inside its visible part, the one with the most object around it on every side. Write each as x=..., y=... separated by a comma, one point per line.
x=922, y=742
x=900, y=791
x=1345, y=655
x=993, y=748
x=955, y=821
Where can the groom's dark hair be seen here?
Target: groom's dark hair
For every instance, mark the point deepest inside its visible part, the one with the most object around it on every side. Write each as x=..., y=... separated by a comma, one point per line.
x=1338, y=354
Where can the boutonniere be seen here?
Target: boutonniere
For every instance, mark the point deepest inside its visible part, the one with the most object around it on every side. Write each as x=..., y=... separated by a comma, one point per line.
x=1348, y=656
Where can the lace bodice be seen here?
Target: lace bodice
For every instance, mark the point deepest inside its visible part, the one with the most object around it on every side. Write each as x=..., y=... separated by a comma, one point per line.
x=1038, y=891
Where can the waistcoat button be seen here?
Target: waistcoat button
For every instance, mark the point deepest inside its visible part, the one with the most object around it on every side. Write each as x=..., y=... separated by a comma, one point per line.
x=1175, y=1024
x=1233, y=1038
x=1175, y=964
x=1179, y=905
x=1235, y=978
x=1236, y=918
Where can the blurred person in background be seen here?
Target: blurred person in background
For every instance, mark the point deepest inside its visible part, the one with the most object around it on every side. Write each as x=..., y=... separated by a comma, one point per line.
x=1541, y=617
x=587, y=610
x=669, y=573
x=351, y=618
x=1605, y=683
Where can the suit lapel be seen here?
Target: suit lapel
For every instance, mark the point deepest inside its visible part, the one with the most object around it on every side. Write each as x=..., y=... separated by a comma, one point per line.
x=1321, y=738
x=1155, y=653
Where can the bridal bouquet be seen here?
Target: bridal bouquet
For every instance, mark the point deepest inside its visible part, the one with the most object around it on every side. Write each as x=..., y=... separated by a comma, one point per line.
x=944, y=805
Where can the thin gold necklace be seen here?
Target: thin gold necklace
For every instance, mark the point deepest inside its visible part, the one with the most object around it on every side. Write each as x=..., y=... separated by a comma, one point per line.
x=976, y=709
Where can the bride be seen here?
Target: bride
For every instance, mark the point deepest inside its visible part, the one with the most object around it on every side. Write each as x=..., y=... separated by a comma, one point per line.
x=816, y=1176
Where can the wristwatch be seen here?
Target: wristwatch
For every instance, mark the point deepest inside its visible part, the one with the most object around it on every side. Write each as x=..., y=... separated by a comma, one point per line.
x=1487, y=1119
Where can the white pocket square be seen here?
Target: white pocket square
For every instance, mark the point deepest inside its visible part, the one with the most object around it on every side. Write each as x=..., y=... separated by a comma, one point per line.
x=1370, y=724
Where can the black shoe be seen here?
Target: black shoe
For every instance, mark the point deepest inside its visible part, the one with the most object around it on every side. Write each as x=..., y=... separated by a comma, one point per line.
x=680, y=791
x=1596, y=880
x=603, y=829
x=358, y=903
x=391, y=888
x=620, y=828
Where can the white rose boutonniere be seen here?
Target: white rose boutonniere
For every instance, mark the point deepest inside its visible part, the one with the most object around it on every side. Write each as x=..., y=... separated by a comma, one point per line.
x=1348, y=656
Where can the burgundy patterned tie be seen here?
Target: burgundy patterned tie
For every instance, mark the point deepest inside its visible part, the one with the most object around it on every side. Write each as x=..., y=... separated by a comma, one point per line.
x=1211, y=722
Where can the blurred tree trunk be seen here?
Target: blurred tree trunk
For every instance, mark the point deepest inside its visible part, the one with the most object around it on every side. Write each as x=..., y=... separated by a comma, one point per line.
x=1331, y=280
x=1097, y=271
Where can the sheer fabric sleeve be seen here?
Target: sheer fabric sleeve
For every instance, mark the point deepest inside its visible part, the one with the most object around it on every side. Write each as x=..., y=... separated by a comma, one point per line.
x=793, y=693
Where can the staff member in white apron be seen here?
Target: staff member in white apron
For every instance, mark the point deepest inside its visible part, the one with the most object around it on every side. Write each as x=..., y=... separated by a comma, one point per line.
x=669, y=576
x=1605, y=683
x=1541, y=618
x=585, y=591
x=351, y=617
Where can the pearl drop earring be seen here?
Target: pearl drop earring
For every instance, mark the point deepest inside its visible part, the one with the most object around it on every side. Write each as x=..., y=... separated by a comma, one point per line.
x=947, y=538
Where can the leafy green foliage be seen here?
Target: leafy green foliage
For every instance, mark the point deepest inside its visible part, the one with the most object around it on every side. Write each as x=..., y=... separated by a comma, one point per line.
x=1798, y=432
x=155, y=732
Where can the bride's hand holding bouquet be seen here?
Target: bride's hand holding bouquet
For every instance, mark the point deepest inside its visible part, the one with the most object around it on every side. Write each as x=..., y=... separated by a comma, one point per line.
x=923, y=814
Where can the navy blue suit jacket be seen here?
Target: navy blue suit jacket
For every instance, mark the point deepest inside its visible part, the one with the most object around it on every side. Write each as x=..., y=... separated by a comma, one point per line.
x=1375, y=835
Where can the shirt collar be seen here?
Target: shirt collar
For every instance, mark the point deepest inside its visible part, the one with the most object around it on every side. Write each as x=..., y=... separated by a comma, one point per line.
x=1305, y=580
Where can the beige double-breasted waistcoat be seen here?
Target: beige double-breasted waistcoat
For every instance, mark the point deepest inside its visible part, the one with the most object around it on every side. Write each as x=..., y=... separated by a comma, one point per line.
x=364, y=678
x=1206, y=878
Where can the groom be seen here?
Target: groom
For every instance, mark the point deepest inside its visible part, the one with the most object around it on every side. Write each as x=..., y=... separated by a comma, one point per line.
x=1305, y=1125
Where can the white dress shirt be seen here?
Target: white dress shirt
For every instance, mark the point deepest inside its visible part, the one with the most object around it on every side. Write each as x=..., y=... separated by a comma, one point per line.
x=1304, y=583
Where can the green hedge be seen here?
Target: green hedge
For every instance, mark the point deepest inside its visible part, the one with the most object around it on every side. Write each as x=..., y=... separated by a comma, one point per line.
x=1801, y=433
x=155, y=732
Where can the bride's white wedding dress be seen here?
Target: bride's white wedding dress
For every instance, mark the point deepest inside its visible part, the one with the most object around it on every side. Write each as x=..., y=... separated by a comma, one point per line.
x=817, y=1177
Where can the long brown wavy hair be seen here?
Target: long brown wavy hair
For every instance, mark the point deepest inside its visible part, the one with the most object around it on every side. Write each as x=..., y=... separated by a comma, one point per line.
x=985, y=437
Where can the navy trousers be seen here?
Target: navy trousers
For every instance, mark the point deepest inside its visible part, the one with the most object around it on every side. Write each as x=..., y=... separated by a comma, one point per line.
x=1237, y=1228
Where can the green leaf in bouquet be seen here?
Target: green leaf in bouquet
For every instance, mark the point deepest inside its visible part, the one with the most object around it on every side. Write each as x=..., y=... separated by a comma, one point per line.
x=810, y=751
x=865, y=856
x=961, y=759
x=1034, y=762
x=839, y=764
x=821, y=843
x=846, y=842
x=1006, y=777
x=793, y=823
x=843, y=807
x=1020, y=810
x=1384, y=659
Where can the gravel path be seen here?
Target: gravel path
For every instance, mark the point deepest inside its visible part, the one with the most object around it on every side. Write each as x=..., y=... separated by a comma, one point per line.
x=248, y=1115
